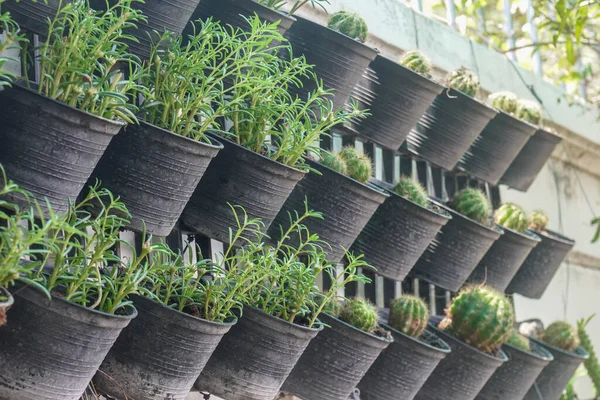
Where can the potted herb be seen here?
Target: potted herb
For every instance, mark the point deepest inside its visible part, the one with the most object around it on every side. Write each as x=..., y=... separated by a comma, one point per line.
x=404, y=366
x=505, y=257
x=461, y=243
x=401, y=229
x=340, y=190
x=10, y=41
x=477, y=323
x=452, y=123
x=336, y=360
x=542, y=263
x=53, y=137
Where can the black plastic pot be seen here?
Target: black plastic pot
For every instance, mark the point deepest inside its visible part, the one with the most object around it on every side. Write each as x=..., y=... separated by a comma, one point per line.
x=255, y=357
x=155, y=172
x=397, y=235
x=554, y=378
x=159, y=355
x=462, y=373
x=447, y=129
x=402, y=368
x=503, y=259
x=334, y=362
x=339, y=61
x=541, y=265
x=52, y=349
x=496, y=148
x=455, y=252
x=5, y=304
x=346, y=204
x=33, y=16
x=49, y=148
x=530, y=161
x=514, y=378
x=238, y=176
x=396, y=98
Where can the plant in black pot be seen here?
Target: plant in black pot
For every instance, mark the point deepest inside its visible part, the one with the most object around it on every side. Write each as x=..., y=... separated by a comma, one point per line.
x=477, y=323
x=12, y=37
x=461, y=243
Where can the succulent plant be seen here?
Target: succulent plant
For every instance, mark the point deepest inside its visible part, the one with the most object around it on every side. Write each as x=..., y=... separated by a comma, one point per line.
x=591, y=363
x=512, y=217
x=463, y=80
x=505, y=101
x=538, y=221
x=409, y=315
x=350, y=24
x=529, y=111
x=332, y=307
x=472, y=203
x=358, y=165
x=481, y=317
x=562, y=335
x=359, y=313
x=334, y=161
x=412, y=190
x=417, y=62
x=519, y=341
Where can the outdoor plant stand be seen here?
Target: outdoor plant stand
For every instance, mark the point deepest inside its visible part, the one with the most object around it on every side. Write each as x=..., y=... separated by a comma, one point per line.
x=33, y=15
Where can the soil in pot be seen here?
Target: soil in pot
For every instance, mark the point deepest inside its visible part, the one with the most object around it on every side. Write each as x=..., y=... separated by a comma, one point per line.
x=52, y=349
x=334, y=362
x=346, y=204
x=155, y=172
x=538, y=269
x=455, y=252
x=6, y=301
x=402, y=368
x=159, y=355
x=503, y=259
x=255, y=357
x=33, y=16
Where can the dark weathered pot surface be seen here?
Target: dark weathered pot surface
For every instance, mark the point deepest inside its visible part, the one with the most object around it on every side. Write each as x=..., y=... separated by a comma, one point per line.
x=33, y=15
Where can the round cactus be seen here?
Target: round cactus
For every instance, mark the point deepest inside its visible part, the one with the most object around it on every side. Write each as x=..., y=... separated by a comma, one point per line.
x=464, y=81
x=481, y=317
x=409, y=315
x=562, y=335
x=358, y=165
x=334, y=161
x=505, y=101
x=412, y=190
x=512, y=217
x=350, y=24
x=417, y=62
x=332, y=306
x=360, y=314
x=538, y=221
x=519, y=341
x=472, y=203
x=529, y=111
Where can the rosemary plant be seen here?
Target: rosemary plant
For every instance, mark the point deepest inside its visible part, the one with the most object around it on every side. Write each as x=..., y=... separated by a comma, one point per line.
x=10, y=37
x=278, y=4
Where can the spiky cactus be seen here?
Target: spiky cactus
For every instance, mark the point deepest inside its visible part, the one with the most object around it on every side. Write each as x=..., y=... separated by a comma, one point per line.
x=334, y=161
x=481, y=317
x=505, y=101
x=519, y=341
x=358, y=165
x=472, y=203
x=417, y=62
x=359, y=313
x=463, y=80
x=591, y=363
x=332, y=307
x=529, y=111
x=562, y=335
x=409, y=315
x=538, y=221
x=412, y=190
x=512, y=217
x=350, y=24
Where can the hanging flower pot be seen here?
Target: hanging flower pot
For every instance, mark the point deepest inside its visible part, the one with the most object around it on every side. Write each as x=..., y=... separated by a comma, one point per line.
x=155, y=172
x=403, y=367
x=53, y=348
x=159, y=355
x=255, y=357
x=334, y=362
x=538, y=269
x=531, y=159
x=33, y=16
x=6, y=301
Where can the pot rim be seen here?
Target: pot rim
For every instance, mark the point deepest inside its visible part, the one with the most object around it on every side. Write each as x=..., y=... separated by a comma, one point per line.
x=298, y=326
x=528, y=235
x=446, y=349
x=411, y=72
x=547, y=356
x=214, y=143
x=503, y=357
x=556, y=236
x=529, y=124
x=368, y=185
x=391, y=340
x=284, y=14
x=10, y=300
x=550, y=136
x=579, y=352
x=495, y=228
x=456, y=92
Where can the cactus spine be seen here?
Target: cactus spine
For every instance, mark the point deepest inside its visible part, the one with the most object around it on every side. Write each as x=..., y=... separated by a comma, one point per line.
x=350, y=24
x=358, y=165
x=591, y=363
x=417, y=62
x=505, y=101
x=529, y=111
x=538, y=221
x=562, y=335
x=359, y=313
x=512, y=217
x=519, y=341
x=412, y=190
x=409, y=315
x=334, y=161
x=472, y=203
x=464, y=81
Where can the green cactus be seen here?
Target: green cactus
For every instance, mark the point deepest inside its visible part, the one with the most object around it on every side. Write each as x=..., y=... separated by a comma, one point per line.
x=334, y=161
x=512, y=217
x=519, y=341
x=472, y=203
x=481, y=317
x=562, y=335
x=350, y=24
x=417, y=62
x=412, y=190
x=505, y=101
x=538, y=221
x=359, y=313
x=529, y=111
x=409, y=315
x=332, y=307
x=591, y=363
x=464, y=81
x=358, y=165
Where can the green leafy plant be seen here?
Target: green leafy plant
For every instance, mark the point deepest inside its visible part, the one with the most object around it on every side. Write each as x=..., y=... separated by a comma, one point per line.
x=11, y=39
x=591, y=363
x=529, y=111
x=464, y=81
x=278, y=4
x=562, y=335
x=472, y=203
x=417, y=62
x=358, y=165
x=519, y=341
x=334, y=161
x=359, y=313
x=409, y=315
x=349, y=24
x=505, y=101
x=538, y=221
x=412, y=190
x=512, y=217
